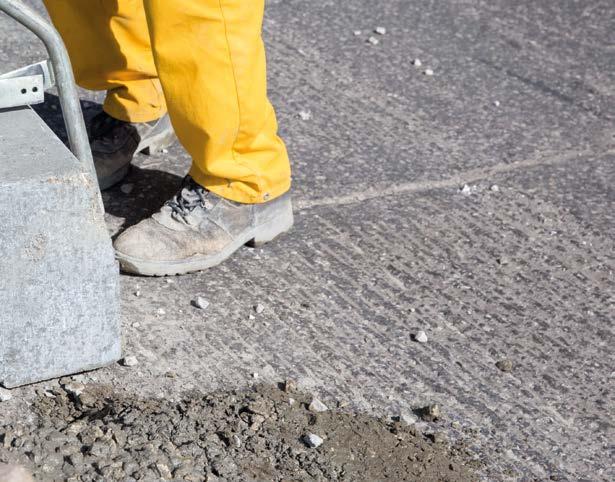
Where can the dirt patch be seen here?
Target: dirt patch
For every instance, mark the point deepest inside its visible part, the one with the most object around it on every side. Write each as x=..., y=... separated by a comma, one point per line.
x=260, y=434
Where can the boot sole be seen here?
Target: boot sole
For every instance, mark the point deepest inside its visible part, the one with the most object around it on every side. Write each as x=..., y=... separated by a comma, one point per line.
x=255, y=237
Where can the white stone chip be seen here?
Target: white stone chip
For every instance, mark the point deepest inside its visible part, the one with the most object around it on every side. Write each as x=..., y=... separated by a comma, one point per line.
x=130, y=361
x=317, y=406
x=127, y=188
x=200, y=303
x=428, y=72
x=255, y=375
x=497, y=103
x=373, y=40
x=305, y=115
x=421, y=337
x=380, y=30
x=357, y=33
x=313, y=440
x=408, y=418
x=161, y=311
x=259, y=308
x=5, y=395
x=495, y=188
x=466, y=190
x=74, y=388
x=417, y=62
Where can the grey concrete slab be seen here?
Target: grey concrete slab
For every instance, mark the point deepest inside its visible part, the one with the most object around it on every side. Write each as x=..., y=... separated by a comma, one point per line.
x=386, y=245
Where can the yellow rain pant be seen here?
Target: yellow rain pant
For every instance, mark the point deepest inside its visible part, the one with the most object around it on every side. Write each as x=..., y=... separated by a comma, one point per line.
x=204, y=61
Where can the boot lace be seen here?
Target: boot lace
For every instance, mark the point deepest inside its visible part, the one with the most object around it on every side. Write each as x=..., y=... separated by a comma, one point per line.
x=189, y=197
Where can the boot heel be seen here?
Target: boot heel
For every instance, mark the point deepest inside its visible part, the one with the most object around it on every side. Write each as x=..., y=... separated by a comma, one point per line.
x=272, y=229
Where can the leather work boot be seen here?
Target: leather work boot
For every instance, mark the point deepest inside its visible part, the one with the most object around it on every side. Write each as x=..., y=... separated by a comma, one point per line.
x=115, y=142
x=197, y=229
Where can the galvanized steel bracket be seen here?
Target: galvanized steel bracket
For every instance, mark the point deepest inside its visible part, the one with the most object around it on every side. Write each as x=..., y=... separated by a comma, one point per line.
x=26, y=86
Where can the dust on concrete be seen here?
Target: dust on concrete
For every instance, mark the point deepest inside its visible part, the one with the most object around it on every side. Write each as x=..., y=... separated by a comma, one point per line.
x=257, y=434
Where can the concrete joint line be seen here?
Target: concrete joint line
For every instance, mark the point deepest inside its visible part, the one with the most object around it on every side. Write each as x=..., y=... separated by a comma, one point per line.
x=473, y=175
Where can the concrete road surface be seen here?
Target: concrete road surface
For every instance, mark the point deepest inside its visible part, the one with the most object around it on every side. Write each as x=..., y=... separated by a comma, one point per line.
x=518, y=265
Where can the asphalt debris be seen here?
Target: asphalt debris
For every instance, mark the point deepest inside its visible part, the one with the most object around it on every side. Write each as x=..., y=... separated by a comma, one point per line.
x=246, y=435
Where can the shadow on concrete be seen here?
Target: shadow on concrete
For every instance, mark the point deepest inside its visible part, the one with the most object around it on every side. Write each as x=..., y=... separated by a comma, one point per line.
x=150, y=188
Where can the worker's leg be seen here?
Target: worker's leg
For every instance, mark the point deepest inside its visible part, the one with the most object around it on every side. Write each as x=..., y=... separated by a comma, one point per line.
x=109, y=46
x=211, y=62
x=108, y=42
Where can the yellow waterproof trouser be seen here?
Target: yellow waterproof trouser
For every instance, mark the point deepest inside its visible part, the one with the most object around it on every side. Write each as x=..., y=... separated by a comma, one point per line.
x=204, y=62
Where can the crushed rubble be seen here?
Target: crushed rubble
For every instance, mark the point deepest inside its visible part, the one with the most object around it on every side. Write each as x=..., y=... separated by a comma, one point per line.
x=248, y=435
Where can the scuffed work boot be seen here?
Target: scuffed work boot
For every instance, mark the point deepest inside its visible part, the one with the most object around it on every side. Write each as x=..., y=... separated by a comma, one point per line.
x=115, y=142
x=197, y=229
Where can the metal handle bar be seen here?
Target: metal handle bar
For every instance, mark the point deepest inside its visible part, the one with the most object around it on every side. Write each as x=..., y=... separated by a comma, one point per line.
x=65, y=81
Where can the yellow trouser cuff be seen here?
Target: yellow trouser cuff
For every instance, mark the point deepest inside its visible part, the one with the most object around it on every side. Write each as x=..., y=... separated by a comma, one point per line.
x=238, y=191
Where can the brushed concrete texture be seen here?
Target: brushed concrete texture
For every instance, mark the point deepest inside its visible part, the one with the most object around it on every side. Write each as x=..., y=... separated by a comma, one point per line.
x=59, y=290
x=385, y=244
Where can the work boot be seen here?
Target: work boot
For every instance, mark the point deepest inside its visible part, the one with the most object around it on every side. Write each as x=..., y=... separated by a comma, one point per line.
x=197, y=229
x=115, y=142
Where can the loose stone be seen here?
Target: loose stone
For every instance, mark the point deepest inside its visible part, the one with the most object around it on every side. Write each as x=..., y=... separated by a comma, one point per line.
x=129, y=361
x=259, y=308
x=5, y=395
x=408, y=418
x=421, y=337
x=290, y=386
x=428, y=72
x=200, y=303
x=74, y=388
x=373, y=40
x=317, y=406
x=380, y=30
x=305, y=115
x=431, y=413
x=312, y=440
x=417, y=62
x=495, y=188
x=504, y=365
x=357, y=33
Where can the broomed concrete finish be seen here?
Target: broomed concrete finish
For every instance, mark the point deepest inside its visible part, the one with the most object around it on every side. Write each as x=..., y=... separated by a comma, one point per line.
x=382, y=230
x=59, y=290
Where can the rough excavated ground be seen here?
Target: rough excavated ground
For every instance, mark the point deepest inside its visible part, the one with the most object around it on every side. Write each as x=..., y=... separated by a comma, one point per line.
x=250, y=435
x=513, y=287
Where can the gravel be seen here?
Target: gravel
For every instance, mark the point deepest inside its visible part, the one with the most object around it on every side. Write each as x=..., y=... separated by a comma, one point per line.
x=373, y=40
x=248, y=435
x=380, y=30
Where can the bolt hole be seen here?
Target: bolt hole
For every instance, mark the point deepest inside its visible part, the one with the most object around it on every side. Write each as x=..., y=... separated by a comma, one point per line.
x=34, y=89
x=24, y=91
